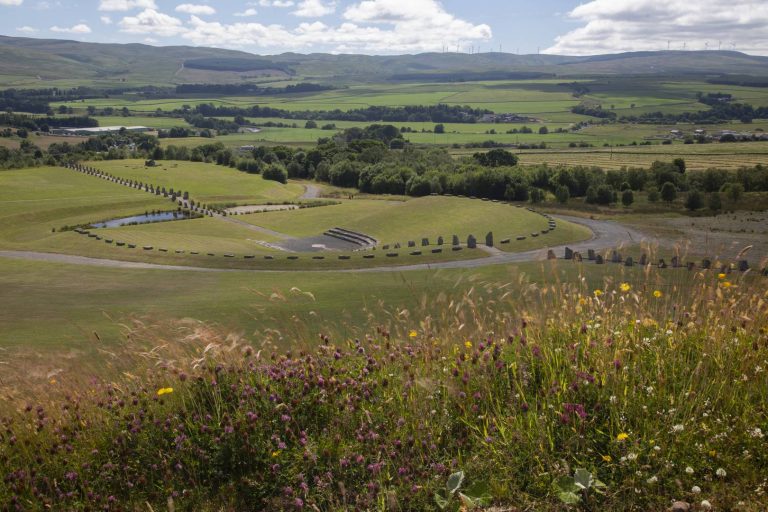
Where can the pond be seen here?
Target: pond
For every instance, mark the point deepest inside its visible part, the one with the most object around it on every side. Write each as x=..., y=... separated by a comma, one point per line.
x=145, y=218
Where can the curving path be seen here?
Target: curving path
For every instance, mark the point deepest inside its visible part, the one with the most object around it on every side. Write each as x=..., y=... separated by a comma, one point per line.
x=606, y=235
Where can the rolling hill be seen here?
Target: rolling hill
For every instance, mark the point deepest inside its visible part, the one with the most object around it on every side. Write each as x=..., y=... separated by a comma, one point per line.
x=32, y=62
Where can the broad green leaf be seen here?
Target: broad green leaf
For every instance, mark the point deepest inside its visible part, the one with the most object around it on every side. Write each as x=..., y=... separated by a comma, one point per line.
x=569, y=498
x=454, y=482
x=566, y=484
x=599, y=486
x=583, y=478
x=442, y=503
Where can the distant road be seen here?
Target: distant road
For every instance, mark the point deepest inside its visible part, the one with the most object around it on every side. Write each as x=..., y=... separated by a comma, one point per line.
x=606, y=235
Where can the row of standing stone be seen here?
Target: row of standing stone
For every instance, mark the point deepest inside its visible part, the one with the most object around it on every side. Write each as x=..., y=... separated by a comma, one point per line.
x=675, y=262
x=177, y=196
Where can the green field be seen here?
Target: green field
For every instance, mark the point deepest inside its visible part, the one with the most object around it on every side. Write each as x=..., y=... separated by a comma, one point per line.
x=430, y=217
x=207, y=183
x=697, y=156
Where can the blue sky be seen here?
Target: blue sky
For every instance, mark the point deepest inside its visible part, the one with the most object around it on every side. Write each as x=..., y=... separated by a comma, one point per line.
x=400, y=26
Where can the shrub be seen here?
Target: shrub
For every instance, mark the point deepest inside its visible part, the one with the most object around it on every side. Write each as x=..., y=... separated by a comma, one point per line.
x=275, y=172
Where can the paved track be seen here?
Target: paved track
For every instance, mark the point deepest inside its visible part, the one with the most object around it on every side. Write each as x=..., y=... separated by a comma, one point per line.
x=606, y=235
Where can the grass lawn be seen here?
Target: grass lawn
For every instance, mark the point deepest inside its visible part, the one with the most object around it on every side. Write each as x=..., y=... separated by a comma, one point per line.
x=428, y=217
x=206, y=183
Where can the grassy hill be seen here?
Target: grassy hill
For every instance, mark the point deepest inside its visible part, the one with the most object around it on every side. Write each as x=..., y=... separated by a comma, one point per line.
x=29, y=61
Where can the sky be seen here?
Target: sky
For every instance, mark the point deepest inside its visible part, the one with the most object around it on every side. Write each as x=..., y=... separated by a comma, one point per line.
x=564, y=27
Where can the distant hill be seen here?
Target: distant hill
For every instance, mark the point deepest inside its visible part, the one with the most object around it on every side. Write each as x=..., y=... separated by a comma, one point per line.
x=30, y=62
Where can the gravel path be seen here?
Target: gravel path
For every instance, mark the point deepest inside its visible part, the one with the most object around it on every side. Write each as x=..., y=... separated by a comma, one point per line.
x=606, y=235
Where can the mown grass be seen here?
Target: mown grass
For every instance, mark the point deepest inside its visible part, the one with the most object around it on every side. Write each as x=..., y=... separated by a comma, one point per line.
x=206, y=183
x=655, y=387
x=393, y=222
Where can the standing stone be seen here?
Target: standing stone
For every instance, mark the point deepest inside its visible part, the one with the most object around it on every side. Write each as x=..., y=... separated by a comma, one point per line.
x=577, y=257
x=591, y=254
x=471, y=242
x=615, y=257
x=765, y=271
x=568, y=253
x=706, y=264
x=411, y=243
x=725, y=269
x=662, y=263
x=675, y=262
x=629, y=262
x=424, y=242
x=743, y=265
x=456, y=240
x=599, y=259
x=643, y=259
x=385, y=247
x=440, y=240
x=551, y=255
x=489, y=239
x=397, y=245
x=691, y=266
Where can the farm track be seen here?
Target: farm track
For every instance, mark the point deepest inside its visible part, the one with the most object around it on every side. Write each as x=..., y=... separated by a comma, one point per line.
x=605, y=235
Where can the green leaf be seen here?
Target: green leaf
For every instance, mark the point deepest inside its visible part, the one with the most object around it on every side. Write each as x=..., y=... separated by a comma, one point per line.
x=479, y=493
x=583, y=478
x=599, y=486
x=569, y=498
x=442, y=503
x=454, y=482
x=566, y=484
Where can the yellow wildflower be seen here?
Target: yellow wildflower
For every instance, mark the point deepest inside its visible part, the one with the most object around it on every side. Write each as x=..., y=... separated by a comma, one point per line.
x=622, y=437
x=726, y=284
x=468, y=344
x=275, y=454
x=413, y=334
x=658, y=294
x=164, y=391
x=721, y=276
x=625, y=287
x=598, y=293
x=607, y=458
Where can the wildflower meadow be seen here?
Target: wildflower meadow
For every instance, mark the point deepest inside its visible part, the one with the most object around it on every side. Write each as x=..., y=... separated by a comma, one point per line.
x=516, y=396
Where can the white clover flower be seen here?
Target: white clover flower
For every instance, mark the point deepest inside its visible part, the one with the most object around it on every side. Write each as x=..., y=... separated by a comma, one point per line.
x=678, y=428
x=631, y=456
x=756, y=433
x=653, y=480
x=657, y=448
x=721, y=473
x=613, y=400
x=706, y=505
x=689, y=470
x=696, y=489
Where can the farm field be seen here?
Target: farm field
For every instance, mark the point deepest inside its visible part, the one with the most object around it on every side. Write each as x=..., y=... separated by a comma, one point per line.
x=697, y=157
x=542, y=98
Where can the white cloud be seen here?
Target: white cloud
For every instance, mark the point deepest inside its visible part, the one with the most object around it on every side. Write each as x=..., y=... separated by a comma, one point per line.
x=126, y=5
x=11, y=2
x=248, y=12
x=633, y=25
x=80, y=28
x=106, y=20
x=396, y=29
x=27, y=29
x=314, y=8
x=195, y=9
x=276, y=3
x=149, y=21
